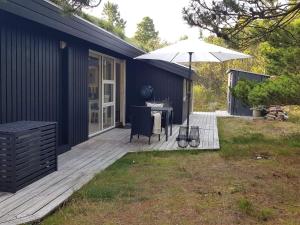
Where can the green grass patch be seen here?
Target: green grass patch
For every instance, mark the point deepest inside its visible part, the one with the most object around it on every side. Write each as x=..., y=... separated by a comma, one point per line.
x=265, y=214
x=246, y=207
x=260, y=137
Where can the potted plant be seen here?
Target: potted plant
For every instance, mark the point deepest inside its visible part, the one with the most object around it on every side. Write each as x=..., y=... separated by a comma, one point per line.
x=258, y=111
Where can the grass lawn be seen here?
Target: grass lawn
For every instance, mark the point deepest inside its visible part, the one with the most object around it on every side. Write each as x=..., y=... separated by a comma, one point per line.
x=253, y=179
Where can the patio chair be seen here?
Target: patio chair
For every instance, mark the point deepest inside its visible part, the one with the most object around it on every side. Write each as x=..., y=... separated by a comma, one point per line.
x=141, y=122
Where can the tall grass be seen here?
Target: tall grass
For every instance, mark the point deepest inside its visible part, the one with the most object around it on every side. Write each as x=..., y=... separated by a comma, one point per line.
x=206, y=100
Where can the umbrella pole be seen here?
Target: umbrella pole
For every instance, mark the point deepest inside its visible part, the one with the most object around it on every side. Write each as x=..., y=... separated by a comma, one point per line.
x=189, y=93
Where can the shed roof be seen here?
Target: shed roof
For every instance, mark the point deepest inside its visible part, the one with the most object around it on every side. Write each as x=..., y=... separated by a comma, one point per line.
x=48, y=14
x=243, y=71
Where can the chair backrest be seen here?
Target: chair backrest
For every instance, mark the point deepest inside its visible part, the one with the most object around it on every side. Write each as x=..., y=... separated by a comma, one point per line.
x=141, y=120
x=154, y=104
x=165, y=103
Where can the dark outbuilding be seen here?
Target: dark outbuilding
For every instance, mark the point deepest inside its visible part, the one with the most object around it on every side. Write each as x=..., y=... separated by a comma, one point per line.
x=235, y=106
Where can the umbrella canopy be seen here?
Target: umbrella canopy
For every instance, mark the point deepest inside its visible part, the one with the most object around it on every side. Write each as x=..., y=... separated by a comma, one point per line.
x=202, y=52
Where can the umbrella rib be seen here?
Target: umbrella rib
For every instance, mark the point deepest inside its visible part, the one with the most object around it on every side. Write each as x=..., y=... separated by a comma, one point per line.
x=215, y=57
x=174, y=56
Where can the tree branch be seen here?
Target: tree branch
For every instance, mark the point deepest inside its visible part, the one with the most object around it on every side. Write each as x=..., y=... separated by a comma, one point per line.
x=235, y=20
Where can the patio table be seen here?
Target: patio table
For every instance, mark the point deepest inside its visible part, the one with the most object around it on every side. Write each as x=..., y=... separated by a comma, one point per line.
x=168, y=115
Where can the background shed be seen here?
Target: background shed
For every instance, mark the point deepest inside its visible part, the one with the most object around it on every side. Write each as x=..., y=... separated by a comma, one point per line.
x=236, y=107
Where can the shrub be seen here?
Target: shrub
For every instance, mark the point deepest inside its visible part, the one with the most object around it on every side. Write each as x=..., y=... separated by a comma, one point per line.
x=242, y=89
x=282, y=90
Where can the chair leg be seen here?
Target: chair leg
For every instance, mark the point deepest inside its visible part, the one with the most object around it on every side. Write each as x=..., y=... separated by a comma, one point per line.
x=159, y=137
x=130, y=137
x=138, y=136
x=149, y=142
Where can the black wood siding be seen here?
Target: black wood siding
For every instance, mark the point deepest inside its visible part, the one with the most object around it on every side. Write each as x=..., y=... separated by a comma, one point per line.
x=30, y=71
x=78, y=94
x=165, y=84
x=39, y=81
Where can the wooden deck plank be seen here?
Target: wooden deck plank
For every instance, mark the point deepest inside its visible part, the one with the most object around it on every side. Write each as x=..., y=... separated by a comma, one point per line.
x=79, y=166
x=92, y=158
x=45, y=196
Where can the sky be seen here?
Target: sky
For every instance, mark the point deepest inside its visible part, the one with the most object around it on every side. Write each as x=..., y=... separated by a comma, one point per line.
x=166, y=14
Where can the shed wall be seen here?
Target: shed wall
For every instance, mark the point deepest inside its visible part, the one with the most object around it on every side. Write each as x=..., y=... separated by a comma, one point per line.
x=236, y=107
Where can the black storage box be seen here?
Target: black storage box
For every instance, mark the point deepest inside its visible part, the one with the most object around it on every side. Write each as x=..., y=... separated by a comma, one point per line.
x=28, y=152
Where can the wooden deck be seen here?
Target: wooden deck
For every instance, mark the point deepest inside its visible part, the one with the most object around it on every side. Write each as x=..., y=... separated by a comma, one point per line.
x=78, y=166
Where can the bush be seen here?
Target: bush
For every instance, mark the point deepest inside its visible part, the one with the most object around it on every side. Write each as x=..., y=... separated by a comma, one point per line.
x=282, y=90
x=242, y=89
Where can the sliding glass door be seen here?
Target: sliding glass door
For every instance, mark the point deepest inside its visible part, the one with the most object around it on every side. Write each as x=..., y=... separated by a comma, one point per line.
x=101, y=88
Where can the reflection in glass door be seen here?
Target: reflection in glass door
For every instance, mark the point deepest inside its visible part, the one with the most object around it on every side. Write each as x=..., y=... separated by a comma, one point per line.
x=108, y=88
x=94, y=94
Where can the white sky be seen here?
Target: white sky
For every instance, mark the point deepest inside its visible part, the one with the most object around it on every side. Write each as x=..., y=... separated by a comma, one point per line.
x=166, y=14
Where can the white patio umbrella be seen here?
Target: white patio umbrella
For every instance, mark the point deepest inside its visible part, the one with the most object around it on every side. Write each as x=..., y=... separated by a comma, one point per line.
x=193, y=51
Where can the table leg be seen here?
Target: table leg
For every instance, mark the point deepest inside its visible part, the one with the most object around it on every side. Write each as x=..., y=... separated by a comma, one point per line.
x=167, y=125
x=171, y=131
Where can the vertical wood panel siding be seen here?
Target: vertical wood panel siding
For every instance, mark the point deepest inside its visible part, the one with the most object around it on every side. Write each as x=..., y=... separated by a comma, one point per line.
x=78, y=94
x=29, y=73
x=30, y=80
x=164, y=83
x=39, y=81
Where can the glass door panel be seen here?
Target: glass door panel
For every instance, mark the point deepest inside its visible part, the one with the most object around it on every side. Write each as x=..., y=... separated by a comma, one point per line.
x=108, y=117
x=108, y=69
x=108, y=88
x=94, y=80
x=108, y=92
